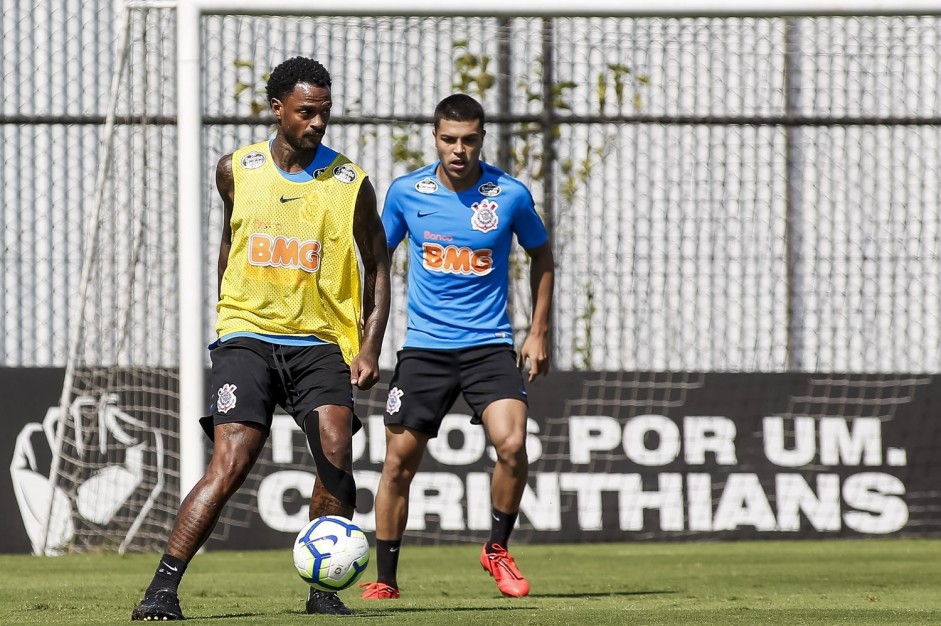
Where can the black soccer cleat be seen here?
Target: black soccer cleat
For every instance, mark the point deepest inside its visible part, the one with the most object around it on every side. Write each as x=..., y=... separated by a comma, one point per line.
x=161, y=605
x=325, y=603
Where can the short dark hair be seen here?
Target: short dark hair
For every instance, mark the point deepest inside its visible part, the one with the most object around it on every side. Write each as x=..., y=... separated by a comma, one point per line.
x=285, y=77
x=459, y=107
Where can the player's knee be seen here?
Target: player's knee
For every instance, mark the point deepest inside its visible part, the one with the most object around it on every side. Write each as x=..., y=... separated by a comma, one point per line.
x=396, y=472
x=224, y=478
x=512, y=449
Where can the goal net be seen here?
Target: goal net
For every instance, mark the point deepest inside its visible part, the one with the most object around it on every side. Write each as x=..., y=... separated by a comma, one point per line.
x=725, y=194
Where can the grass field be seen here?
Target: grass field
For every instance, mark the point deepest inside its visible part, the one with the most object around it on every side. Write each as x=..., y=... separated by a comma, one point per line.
x=761, y=582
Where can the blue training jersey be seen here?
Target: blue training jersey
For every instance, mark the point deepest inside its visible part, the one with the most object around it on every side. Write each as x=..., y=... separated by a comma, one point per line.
x=459, y=254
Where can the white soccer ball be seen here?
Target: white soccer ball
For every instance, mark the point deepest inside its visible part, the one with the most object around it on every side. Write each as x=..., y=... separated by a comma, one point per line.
x=331, y=553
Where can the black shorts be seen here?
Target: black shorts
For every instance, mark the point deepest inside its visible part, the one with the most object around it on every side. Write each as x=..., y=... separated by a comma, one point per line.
x=251, y=377
x=426, y=384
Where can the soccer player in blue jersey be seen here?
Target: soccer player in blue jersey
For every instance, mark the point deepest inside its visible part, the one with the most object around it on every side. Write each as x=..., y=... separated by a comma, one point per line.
x=460, y=215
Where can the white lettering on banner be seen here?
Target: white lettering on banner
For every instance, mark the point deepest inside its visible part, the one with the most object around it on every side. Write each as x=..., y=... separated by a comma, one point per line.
x=370, y=482
x=699, y=507
x=588, y=489
x=377, y=443
x=869, y=502
x=542, y=505
x=589, y=434
x=713, y=433
x=668, y=500
x=876, y=494
x=795, y=496
x=271, y=499
x=846, y=442
x=743, y=503
x=281, y=436
x=478, y=501
x=839, y=445
x=438, y=494
x=470, y=448
x=872, y=499
x=636, y=439
x=805, y=447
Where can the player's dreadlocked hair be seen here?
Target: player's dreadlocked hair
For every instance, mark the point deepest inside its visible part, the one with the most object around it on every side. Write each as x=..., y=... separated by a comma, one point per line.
x=459, y=107
x=285, y=77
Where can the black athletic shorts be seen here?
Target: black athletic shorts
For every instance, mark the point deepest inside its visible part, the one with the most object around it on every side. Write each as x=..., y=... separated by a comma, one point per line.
x=250, y=377
x=426, y=383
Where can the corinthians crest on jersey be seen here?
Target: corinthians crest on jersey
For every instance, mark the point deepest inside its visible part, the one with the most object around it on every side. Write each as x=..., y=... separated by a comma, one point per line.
x=485, y=217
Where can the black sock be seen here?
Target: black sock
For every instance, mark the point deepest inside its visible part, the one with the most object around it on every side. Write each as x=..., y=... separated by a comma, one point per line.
x=168, y=575
x=387, y=561
x=500, y=528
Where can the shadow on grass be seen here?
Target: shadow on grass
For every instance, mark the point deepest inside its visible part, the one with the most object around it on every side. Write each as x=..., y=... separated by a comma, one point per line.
x=439, y=609
x=600, y=595
x=514, y=604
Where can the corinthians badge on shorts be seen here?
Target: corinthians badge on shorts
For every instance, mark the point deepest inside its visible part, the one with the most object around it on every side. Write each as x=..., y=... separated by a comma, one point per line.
x=485, y=216
x=226, y=401
x=394, y=401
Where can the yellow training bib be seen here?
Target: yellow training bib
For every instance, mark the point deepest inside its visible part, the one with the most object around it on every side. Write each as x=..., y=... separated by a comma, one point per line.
x=293, y=266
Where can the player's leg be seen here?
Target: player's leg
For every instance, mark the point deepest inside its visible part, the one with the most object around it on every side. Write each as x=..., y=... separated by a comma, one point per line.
x=424, y=386
x=329, y=433
x=505, y=421
x=238, y=426
x=494, y=388
x=330, y=437
x=235, y=450
x=319, y=394
x=405, y=448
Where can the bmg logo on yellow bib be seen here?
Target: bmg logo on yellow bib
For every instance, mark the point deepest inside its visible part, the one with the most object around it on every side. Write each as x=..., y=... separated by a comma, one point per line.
x=280, y=251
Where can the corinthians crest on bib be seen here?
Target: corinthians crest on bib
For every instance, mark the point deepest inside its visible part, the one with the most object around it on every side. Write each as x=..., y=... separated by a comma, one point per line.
x=485, y=216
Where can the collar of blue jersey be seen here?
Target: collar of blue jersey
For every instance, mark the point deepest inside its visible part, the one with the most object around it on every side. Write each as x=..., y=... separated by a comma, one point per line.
x=322, y=158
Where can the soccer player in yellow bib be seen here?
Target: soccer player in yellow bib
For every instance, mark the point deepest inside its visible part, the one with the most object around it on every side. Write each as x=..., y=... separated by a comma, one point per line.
x=299, y=321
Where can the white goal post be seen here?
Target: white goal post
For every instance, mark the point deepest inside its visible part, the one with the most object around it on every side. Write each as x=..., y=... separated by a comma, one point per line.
x=191, y=340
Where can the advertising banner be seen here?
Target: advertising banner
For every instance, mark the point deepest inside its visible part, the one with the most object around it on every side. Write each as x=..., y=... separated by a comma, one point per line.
x=614, y=456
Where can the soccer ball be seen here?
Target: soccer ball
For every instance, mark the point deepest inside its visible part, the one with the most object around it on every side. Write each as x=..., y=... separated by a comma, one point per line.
x=331, y=553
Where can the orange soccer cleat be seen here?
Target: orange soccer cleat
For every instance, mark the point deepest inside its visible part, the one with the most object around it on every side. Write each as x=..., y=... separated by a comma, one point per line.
x=379, y=591
x=503, y=568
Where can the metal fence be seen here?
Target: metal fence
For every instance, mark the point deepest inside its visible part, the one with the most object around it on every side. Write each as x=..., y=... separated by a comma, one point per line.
x=734, y=194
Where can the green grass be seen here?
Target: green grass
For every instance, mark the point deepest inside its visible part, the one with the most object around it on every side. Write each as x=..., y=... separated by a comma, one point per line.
x=761, y=582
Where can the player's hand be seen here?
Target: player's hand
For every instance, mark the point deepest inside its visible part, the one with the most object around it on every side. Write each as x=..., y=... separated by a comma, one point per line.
x=364, y=371
x=535, y=353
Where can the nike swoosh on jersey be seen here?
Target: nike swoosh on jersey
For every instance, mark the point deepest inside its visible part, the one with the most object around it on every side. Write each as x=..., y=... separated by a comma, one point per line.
x=283, y=199
x=426, y=213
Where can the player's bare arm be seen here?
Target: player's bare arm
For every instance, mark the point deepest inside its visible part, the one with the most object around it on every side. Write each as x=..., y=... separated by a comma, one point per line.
x=541, y=280
x=225, y=183
x=371, y=240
